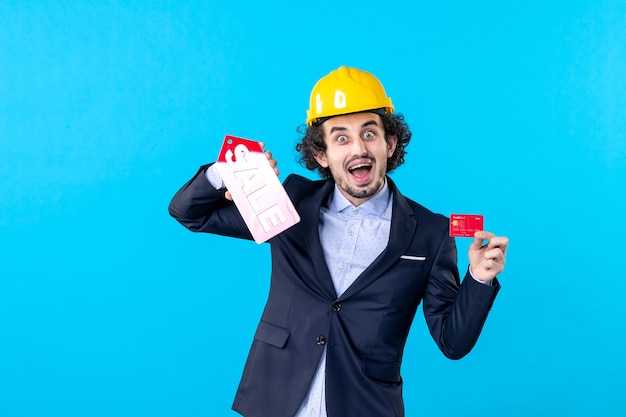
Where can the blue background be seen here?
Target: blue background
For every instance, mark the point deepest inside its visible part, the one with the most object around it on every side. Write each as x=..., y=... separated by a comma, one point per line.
x=109, y=308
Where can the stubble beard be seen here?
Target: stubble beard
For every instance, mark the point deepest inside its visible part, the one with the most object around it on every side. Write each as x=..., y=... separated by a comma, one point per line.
x=365, y=192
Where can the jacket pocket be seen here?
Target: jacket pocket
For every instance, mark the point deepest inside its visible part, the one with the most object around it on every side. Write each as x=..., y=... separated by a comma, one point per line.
x=271, y=334
x=387, y=372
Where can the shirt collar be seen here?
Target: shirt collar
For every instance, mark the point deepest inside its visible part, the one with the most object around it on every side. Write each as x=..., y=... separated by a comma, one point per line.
x=374, y=206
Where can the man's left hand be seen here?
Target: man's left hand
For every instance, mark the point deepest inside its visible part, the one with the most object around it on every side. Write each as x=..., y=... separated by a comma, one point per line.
x=487, y=260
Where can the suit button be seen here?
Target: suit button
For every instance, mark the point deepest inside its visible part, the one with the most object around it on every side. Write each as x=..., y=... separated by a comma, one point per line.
x=336, y=306
x=321, y=340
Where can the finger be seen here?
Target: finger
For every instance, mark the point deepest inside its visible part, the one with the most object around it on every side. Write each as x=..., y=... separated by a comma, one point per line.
x=273, y=162
x=483, y=234
x=496, y=255
x=493, y=263
x=495, y=268
x=479, y=238
x=501, y=242
x=228, y=196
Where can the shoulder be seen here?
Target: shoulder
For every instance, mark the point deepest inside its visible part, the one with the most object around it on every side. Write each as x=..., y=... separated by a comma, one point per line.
x=421, y=213
x=299, y=179
x=299, y=187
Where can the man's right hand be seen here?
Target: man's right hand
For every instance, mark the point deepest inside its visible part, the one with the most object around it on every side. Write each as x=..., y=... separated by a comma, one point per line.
x=273, y=163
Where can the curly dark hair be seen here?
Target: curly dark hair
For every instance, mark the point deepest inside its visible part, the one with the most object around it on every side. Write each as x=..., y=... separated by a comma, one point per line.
x=313, y=142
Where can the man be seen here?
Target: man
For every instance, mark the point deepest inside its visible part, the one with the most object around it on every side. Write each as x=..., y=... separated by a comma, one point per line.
x=347, y=280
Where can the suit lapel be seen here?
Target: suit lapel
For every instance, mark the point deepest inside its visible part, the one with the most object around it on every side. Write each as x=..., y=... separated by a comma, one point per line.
x=311, y=212
x=403, y=226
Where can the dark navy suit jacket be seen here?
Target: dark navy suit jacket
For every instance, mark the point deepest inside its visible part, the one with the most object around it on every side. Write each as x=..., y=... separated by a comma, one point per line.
x=364, y=329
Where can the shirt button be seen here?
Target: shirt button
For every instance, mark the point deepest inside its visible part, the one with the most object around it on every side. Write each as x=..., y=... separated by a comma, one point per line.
x=336, y=306
x=321, y=340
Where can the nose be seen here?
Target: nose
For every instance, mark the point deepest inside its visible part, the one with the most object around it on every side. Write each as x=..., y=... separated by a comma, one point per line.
x=358, y=147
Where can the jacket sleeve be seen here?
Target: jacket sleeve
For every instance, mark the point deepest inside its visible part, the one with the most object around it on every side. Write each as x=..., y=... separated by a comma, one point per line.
x=201, y=208
x=455, y=312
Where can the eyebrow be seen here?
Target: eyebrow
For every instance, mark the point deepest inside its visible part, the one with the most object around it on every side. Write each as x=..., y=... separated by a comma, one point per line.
x=341, y=128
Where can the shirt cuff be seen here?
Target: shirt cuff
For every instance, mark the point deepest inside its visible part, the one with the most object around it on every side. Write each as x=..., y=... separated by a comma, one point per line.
x=214, y=178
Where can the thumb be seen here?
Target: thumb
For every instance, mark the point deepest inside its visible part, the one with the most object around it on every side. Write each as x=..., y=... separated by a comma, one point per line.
x=479, y=237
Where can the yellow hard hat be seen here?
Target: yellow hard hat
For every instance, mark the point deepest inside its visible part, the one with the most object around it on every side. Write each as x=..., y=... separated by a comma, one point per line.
x=346, y=90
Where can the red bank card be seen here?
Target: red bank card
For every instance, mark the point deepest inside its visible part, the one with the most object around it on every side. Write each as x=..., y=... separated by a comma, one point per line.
x=465, y=225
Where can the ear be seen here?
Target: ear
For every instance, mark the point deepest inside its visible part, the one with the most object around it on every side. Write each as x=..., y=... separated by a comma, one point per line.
x=392, y=141
x=320, y=157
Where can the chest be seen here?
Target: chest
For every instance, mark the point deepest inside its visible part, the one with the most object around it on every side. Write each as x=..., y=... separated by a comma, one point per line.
x=350, y=244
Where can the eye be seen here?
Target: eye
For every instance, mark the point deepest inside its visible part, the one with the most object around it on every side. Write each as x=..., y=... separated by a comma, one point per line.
x=342, y=138
x=369, y=134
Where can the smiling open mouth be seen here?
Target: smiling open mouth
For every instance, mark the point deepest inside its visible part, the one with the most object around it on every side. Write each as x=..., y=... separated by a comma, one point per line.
x=360, y=171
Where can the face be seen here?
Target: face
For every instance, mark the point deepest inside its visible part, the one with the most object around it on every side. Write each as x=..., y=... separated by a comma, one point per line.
x=356, y=154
